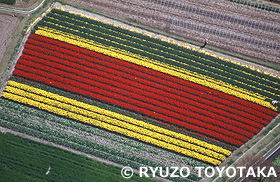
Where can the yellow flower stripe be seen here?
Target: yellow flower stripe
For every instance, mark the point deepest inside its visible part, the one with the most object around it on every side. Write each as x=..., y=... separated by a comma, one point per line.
x=194, y=74
x=190, y=65
x=156, y=65
x=132, y=30
x=111, y=114
x=78, y=114
x=173, y=42
x=160, y=55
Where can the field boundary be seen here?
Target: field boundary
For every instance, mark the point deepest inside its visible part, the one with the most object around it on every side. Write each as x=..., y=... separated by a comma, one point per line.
x=20, y=49
x=251, y=148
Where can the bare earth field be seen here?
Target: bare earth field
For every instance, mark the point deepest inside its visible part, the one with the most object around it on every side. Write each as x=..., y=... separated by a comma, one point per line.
x=8, y=25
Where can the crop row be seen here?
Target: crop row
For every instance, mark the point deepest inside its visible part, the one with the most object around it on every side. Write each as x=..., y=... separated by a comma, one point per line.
x=98, y=70
x=109, y=127
x=149, y=91
x=117, y=141
x=164, y=51
x=116, y=116
x=149, y=97
x=188, y=66
x=113, y=123
x=139, y=47
x=124, y=98
x=87, y=58
x=69, y=38
x=64, y=68
x=58, y=54
x=125, y=112
x=77, y=143
x=75, y=89
x=166, y=46
x=92, y=73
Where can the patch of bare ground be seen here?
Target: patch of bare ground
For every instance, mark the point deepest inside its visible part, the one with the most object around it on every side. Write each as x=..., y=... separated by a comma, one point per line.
x=8, y=25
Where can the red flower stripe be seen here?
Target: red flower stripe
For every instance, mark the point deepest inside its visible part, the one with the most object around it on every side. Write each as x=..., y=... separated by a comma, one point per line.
x=76, y=49
x=238, y=115
x=76, y=87
x=229, y=100
x=147, y=91
x=105, y=71
x=122, y=91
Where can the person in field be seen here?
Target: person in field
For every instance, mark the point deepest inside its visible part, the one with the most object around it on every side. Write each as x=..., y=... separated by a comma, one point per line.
x=274, y=103
x=205, y=43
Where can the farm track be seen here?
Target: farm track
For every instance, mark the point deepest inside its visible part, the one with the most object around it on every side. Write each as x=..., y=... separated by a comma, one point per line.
x=251, y=32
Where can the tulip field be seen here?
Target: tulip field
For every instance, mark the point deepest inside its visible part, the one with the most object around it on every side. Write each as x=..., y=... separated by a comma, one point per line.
x=131, y=85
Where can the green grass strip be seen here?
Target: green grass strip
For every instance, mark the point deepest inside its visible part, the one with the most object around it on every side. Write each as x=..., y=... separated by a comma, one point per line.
x=22, y=158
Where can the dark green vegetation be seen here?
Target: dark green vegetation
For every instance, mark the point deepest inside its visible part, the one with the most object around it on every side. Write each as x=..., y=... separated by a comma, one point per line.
x=25, y=119
x=12, y=2
x=277, y=161
x=23, y=160
x=155, y=49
